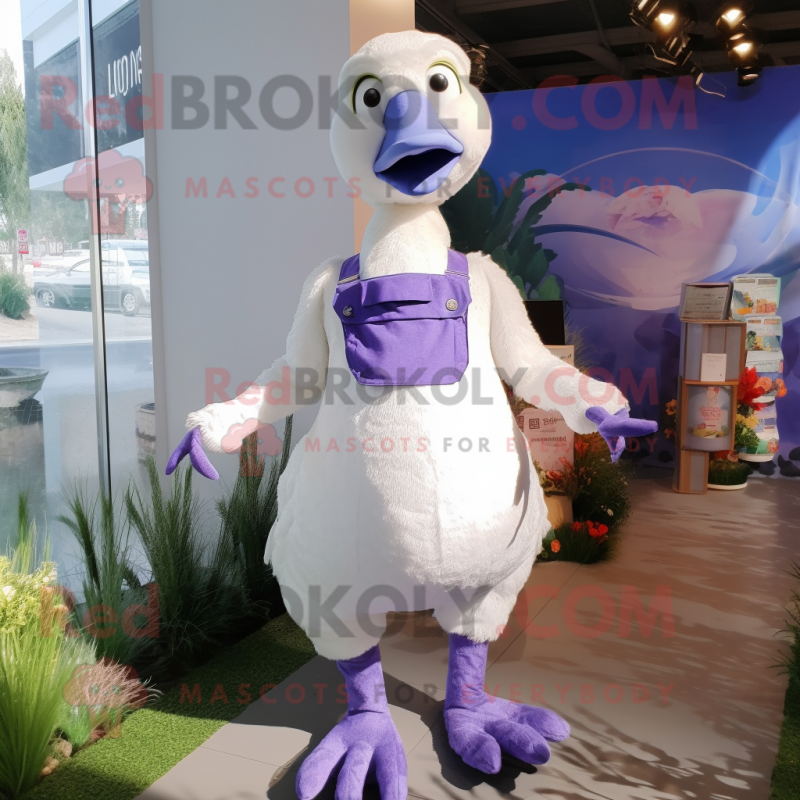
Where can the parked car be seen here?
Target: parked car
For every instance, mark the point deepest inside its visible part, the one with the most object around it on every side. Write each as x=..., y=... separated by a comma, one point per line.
x=126, y=274
x=70, y=287
x=125, y=287
x=47, y=265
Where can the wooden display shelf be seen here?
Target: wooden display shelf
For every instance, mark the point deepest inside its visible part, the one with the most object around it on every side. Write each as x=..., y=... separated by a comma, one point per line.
x=698, y=337
x=712, y=336
x=691, y=474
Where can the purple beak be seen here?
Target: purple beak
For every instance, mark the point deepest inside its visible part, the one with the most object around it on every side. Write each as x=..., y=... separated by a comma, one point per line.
x=418, y=152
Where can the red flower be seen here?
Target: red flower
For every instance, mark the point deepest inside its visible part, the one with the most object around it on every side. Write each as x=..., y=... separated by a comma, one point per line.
x=596, y=530
x=748, y=392
x=576, y=526
x=555, y=545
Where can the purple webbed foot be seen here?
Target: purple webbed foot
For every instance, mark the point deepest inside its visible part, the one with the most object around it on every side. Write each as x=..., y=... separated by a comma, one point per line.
x=614, y=428
x=192, y=444
x=480, y=727
x=480, y=735
x=368, y=747
x=365, y=742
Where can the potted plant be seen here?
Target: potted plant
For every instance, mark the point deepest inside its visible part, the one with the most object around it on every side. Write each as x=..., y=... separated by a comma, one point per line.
x=725, y=470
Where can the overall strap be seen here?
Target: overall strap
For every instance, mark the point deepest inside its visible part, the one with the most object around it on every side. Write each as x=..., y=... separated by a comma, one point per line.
x=457, y=262
x=349, y=270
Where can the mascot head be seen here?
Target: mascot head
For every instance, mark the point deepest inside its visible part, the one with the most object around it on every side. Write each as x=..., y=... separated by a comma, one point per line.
x=410, y=127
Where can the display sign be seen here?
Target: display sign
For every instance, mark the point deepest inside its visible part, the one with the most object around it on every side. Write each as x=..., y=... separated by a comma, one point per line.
x=765, y=427
x=764, y=333
x=757, y=293
x=705, y=300
x=713, y=367
x=118, y=77
x=56, y=111
x=550, y=440
x=769, y=368
x=708, y=418
x=22, y=242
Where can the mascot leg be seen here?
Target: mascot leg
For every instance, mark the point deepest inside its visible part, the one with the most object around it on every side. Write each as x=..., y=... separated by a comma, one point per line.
x=481, y=727
x=365, y=742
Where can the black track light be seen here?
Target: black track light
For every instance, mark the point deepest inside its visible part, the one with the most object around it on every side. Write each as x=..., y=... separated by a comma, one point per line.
x=665, y=18
x=644, y=12
x=748, y=75
x=732, y=16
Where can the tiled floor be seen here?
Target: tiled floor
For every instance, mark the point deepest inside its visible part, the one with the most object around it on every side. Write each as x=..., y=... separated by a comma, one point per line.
x=683, y=709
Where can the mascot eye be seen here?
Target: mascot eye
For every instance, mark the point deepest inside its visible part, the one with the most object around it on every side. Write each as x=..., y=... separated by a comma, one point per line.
x=438, y=82
x=119, y=182
x=367, y=95
x=443, y=83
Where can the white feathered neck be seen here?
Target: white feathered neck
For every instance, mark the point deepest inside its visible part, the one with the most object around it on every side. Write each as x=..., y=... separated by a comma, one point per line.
x=405, y=238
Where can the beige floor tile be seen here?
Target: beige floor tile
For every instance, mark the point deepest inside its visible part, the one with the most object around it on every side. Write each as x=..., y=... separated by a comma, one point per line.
x=719, y=562
x=292, y=718
x=436, y=772
x=210, y=775
x=716, y=735
x=416, y=646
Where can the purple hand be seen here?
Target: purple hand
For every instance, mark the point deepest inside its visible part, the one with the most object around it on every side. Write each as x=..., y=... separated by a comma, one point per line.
x=615, y=427
x=365, y=742
x=480, y=727
x=192, y=444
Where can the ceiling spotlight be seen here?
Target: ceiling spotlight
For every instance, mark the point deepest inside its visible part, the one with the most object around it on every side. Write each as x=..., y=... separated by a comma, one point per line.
x=677, y=49
x=733, y=15
x=643, y=12
x=749, y=72
x=665, y=18
x=747, y=75
x=742, y=47
x=732, y=18
x=670, y=20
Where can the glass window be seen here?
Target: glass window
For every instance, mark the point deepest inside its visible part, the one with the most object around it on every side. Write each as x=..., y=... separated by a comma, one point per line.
x=109, y=255
x=136, y=258
x=123, y=195
x=48, y=425
x=49, y=439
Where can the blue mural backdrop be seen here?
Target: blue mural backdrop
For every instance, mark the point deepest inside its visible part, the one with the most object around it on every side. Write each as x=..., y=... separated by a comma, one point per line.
x=680, y=186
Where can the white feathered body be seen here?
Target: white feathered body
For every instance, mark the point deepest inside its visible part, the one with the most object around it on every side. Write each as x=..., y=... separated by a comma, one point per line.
x=423, y=486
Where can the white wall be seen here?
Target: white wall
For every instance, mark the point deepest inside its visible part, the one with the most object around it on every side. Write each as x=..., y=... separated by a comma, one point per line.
x=227, y=272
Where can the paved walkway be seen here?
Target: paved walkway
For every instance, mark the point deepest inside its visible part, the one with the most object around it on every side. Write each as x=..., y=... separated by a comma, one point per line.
x=654, y=717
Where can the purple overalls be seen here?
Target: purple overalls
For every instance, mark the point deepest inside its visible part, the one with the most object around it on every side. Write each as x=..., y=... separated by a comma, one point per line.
x=408, y=329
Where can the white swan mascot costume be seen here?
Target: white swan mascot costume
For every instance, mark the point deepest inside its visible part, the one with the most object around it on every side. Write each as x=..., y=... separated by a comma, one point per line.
x=421, y=494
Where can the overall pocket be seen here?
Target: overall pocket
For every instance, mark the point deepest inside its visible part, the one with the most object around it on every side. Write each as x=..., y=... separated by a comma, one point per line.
x=408, y=329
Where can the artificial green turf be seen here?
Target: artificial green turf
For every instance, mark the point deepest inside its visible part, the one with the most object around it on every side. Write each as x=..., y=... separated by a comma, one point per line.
x=786, y=775
x=154, y=739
